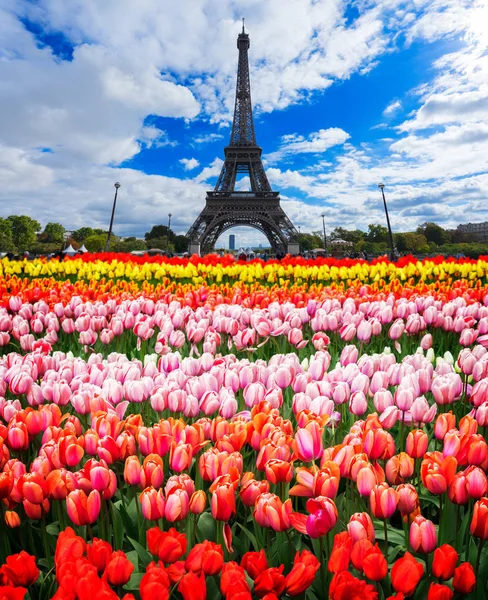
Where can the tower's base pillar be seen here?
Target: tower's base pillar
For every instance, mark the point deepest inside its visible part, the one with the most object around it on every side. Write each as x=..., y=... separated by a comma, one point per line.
x=194, y=248
x=293, y=249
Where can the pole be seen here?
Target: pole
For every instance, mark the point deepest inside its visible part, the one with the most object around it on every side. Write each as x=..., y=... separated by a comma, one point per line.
x=169, y=229
x=107, y=245
x=325, y=237
x=390, y=234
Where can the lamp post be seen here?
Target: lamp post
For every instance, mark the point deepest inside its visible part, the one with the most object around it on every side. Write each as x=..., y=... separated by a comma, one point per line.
x=107, y=245
x=169, y=229
x=390, y=234
x=325, y=237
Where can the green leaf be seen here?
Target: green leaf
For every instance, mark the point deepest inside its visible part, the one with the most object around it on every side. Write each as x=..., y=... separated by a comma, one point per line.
x=134, y=559
x=143, y=554
x=206, y=529
x=250, y=536
x=53, y=528
x=134, y=582
x=118, y=527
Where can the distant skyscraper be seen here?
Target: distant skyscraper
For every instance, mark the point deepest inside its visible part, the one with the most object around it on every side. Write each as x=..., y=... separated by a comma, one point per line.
x=232, y=242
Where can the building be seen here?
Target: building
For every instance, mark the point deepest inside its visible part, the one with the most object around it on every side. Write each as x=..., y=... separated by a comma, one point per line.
x=480, y=230
x=232, y=242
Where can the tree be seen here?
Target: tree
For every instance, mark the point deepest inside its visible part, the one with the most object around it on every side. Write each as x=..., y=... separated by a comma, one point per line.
x=434, y=233
x=129, y=245
x=181, y=244
x=161, y=243
x=53, y=233
x=96, y=242
x=339, y=233
x=6, y=242
x=159, y=231
x=81, y=234
x=24, y=231
x=377, y=234
x=411, y=242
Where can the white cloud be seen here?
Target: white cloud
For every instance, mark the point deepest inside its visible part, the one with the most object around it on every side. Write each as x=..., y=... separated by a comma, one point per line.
x=208, y=138
x=392, y=108
x=213, y=170
x=134, y=60
x=189, y=163
x=317, y=142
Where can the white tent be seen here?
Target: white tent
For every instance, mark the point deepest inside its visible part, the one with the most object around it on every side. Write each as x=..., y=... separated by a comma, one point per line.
x=82, y=249
x=70, y=251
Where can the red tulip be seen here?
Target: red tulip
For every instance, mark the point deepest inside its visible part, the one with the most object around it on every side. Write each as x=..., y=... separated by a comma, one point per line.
x=119, y=569
x=269, y=581
x=99, y=554
x=207, y=557
x=168, y=546
x=479, y=521
x=344, y=585
x=254, y=563
x=375, y=566
x=445, y=561
x=302, y=574
x=223, y=502
x=464, y=580
x=406, y=574
x=20, y=570
x=437, y=591
x=193, y=586
x=341, y=553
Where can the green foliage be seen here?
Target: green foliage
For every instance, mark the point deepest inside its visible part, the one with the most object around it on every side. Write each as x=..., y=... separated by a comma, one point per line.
x=96, y=242
x=434, y=233
x=308, y=241
x=6, y=241
x=354, y=236
x=81, y=234
x=377, y=234
x=41, y=248
x=24, y=231
x=180, y=244
x=411, y=242
x=128, y=245
x=161, y=243
x=159, y=232
x=53, y=233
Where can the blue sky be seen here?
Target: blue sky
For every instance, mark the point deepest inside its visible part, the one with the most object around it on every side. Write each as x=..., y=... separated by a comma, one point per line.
x=345, y=93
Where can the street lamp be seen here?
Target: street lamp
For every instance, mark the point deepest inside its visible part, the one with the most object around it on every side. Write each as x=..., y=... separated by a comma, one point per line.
x=169, y=229
x=392, y=247
x=325, y=237
x=107, y=245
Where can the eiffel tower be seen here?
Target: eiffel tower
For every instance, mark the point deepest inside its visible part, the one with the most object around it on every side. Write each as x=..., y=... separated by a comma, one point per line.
x=225, y=207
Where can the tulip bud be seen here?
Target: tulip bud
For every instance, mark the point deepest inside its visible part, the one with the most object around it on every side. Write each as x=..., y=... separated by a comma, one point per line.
x=423, y=537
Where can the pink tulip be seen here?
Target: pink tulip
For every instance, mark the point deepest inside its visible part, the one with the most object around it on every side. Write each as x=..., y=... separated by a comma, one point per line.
x=423, y=537
x=349, y=355
x=358, y=404
x=308, y=443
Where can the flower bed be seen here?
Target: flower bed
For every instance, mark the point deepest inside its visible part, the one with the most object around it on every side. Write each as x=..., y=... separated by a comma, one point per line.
x=239, y=430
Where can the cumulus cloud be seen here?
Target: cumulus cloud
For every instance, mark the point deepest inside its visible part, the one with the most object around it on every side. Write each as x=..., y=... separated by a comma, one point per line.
x=95, y=105
x=189, y=163
x=316, y=143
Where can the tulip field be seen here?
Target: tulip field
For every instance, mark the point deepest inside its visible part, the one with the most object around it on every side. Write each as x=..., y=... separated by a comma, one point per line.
x=206, y=428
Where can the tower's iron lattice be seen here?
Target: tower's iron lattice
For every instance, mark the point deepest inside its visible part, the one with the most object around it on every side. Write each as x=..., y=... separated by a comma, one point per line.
x=225, y=207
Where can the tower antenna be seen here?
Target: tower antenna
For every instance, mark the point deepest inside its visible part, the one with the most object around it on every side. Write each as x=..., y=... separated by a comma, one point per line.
x=243, y=31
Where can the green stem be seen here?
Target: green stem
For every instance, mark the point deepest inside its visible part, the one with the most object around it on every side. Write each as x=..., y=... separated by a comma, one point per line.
x=323, y=572
x=478, y=558
x=386, y=535
x=46, y=543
